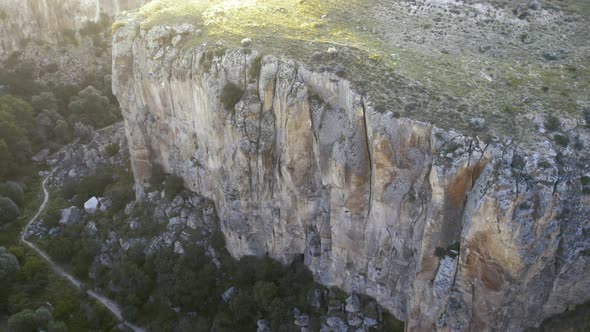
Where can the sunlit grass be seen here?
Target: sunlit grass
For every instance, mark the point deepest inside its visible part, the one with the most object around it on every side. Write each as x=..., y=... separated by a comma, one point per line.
x=299, y=29
x=312, y=21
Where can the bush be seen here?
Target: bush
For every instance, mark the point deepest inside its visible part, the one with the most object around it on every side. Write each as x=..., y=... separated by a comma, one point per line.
x=16, y=119
x=112, y=149
x=93, y=185
x=121, y=193
x=13, y=191
x=255, y=68
x=173, y=186
x=57, y=326
x=8, y=210
x=231, y=95
x=23, y=321
x=91, y=107
x=8, y=265
x=42, y=317
x=552, y=123
x=562, y=140
x=44, y=101
x=264, y=294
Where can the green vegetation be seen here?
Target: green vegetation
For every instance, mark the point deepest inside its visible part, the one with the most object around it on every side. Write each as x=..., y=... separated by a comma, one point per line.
x=577, y=319
x=16, y=120
x=93, y=185
x=552, y=123
x=561, y=139
x=255, y=68
x=173, y=185
x=305, y=30
x=36, y=299
x=231, y=95
x=91, y=107
x=451, y=251
x=112, y=149
x=8, y=210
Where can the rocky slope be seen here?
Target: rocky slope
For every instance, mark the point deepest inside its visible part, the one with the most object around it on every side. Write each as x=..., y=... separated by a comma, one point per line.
x=447, y=231
x=48, y=20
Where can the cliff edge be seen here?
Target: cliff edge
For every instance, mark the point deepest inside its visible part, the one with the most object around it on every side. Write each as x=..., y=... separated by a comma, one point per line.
x=314, y=143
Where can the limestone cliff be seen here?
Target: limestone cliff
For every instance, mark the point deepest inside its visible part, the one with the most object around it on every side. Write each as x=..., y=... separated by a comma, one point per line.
x=46, y=20
x=446, y=231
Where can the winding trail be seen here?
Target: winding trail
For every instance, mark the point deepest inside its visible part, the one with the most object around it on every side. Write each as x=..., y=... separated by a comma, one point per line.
x=107, y=303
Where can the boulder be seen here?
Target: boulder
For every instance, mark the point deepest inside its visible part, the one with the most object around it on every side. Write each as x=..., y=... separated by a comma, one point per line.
x=178, y=248
x=369, y=322
x=246, y=42
x=91, y=205
x=91, y=228
x=105, y=204
x=355, y=319
x=262, y=325
x=105, y=260
x=301, y=320
x=54, y=231
x=353, y=304
x=72, y=173
x=337, y=324
x=71, y=215
x=227, y=295
x=39, y=157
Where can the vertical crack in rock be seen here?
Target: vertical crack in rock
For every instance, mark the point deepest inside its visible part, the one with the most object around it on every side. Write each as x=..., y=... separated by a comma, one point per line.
x=368, y=142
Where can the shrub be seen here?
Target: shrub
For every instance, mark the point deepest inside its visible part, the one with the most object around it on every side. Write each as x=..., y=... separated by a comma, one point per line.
x=264, y=294
x=8, y=265
x=231, y=95
x=91, y=28
x=507, y=108
x=69, y=36
x=57, y=326
x=8, y=210
x=13, y=191
x=552, y=123
x=91, y=107
x=23, y=321
x=42, y=317
x=112, y=149
x=16, y=119
x=255, y=68
x=44, y=101
x=562, y=140
x=173, y=186
x=587, y=116
x=93, y=185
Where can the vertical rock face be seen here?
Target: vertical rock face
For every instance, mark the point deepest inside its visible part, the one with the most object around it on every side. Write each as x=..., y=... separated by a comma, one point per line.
x=444, y=230
x=46, y=20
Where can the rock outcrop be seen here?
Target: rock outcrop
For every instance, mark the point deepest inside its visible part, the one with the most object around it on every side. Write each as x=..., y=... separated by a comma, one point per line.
x=446, y=231
x=48, y=20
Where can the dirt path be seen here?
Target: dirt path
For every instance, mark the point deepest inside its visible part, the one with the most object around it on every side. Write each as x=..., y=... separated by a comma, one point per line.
x=107, y=303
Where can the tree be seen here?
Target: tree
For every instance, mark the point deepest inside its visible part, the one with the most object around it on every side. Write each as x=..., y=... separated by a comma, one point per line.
x=16, y=119
x=8, y=265
x=23, y=321
x=44, y=101
x=8, y=210
x=90, y=106
x=51, y=126
x=264, y=294
x=57, y=326
x=13, y=191
x=42, y=317
x=62, y=131
x=19, y=109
